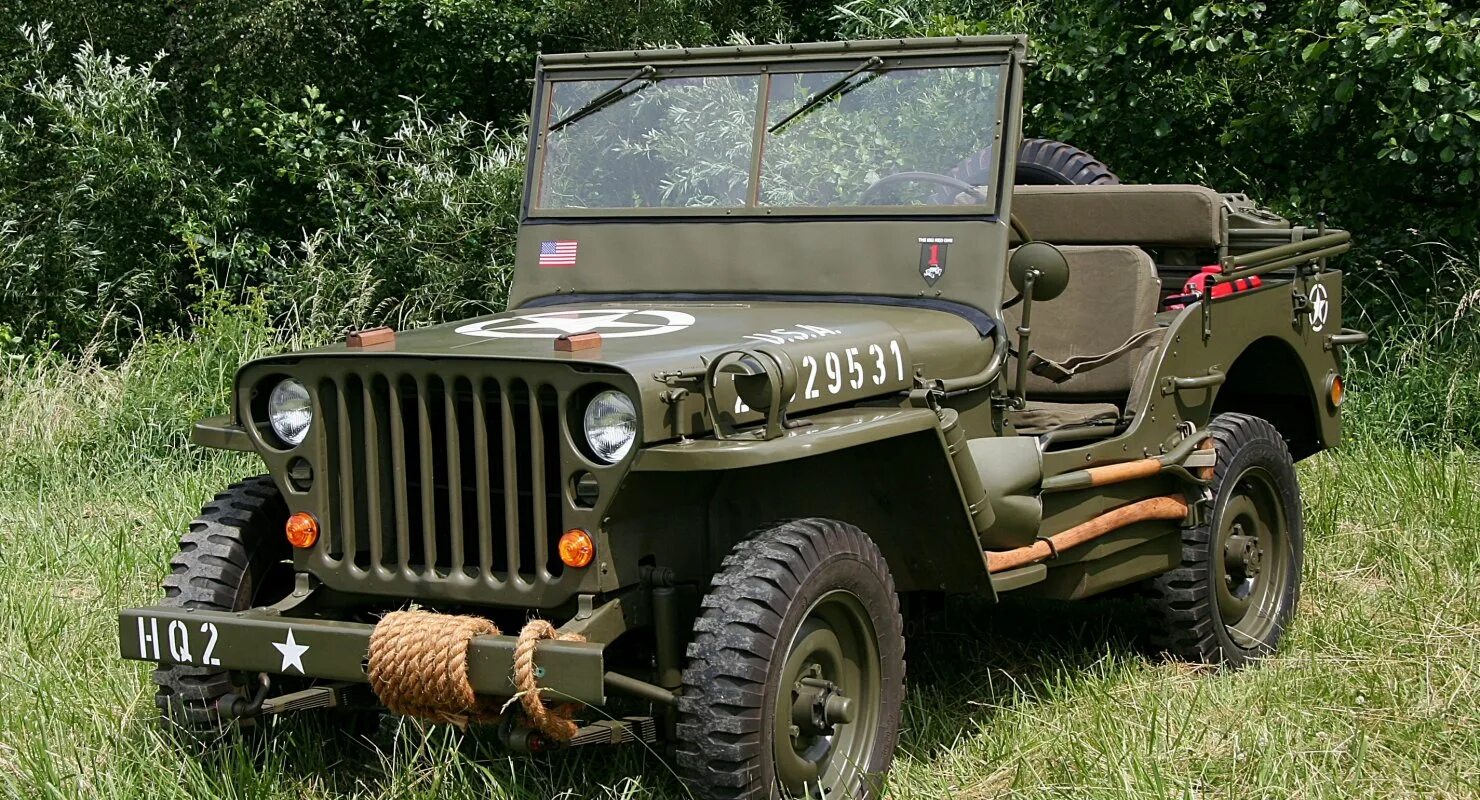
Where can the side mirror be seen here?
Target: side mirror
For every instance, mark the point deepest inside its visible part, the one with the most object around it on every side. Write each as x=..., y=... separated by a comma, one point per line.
x=1047, y=261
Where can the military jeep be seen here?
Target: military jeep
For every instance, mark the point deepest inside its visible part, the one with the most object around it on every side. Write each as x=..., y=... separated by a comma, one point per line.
x=796, y=333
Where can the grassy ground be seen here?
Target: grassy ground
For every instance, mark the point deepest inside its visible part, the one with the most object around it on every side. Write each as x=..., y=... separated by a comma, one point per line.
x=1376, y=693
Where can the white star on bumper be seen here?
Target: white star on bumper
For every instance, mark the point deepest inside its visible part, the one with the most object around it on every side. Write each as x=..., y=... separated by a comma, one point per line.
x=292, y=653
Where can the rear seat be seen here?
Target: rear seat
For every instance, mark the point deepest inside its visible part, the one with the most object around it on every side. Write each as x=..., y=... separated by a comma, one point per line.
x=1112, y=294
x=1170, y=215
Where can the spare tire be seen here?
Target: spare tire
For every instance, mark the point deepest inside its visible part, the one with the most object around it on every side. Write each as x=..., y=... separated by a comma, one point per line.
x=1045, y=162
x=1040, y=162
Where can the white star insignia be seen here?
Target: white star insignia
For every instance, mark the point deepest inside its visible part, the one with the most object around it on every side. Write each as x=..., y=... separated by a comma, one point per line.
x=292, y=653
x=584, y=324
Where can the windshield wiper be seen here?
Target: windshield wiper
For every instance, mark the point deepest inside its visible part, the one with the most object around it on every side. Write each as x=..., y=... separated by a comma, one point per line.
x=836, y=88
x=608, y=97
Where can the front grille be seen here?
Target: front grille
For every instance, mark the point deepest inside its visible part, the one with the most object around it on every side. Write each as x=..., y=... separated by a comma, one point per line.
x=442, y=478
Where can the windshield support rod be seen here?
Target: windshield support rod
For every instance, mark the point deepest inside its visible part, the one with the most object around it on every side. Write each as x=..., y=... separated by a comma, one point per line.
x=826, y=93
x=604, y=99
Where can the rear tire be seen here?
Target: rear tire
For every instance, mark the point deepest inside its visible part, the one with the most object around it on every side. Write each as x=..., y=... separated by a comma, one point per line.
x=1040, y=162
x=1238, y=584
x=233, y=557
x=796, y=671
x=1045, y=162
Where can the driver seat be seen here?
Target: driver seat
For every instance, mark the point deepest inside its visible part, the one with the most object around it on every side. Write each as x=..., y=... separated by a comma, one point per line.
x=1111, y=297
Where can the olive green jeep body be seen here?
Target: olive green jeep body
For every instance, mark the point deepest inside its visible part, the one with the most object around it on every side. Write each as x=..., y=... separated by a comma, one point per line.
x=962, y=372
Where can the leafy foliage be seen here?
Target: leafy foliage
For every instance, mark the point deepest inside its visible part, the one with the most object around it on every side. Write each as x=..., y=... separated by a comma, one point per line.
x=420, y=224
x=356, y=162
x=1367, y=110
x=103, y=216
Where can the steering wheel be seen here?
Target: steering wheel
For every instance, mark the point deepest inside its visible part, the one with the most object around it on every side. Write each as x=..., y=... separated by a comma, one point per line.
x=1017, y=227
x=900, y=177
x=947, y=181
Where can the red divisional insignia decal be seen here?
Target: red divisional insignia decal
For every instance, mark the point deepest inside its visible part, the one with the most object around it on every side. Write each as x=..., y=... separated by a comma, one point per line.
x=933, y=257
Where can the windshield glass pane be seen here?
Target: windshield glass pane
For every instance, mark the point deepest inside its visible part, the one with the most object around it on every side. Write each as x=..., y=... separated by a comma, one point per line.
x=670, y=143
x=869, y=144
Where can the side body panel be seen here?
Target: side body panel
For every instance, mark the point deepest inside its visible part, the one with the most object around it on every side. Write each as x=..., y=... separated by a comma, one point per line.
x=1277, y=363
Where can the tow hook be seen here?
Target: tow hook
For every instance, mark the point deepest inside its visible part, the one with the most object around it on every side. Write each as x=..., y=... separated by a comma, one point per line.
x=260, y=705
x=234, y=706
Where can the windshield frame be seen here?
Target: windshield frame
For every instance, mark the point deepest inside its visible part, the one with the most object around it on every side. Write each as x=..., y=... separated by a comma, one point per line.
x=999, y=52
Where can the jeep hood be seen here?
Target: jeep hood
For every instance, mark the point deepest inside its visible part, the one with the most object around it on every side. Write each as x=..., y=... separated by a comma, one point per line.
x=646, y=337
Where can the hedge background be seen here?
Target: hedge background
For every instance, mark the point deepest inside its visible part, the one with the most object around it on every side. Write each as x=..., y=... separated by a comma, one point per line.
x=348, y=162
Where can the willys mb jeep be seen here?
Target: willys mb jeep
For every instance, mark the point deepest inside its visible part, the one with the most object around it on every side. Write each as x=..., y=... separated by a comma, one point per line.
x=796, y=333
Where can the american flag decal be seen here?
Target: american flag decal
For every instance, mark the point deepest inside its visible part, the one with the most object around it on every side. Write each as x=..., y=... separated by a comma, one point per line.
x=558, y=254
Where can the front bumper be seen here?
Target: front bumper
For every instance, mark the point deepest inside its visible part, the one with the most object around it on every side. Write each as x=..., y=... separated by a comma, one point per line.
x=260, y=641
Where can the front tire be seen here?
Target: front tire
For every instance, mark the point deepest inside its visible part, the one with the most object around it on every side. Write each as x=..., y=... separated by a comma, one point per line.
x=1238, y=584
x=796, y=672
x=233, y=557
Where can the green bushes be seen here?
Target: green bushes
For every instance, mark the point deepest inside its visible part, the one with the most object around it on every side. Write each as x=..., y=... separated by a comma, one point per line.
x=419, y=224
x=1370, y=111
x=357, y=162
x=112, y=225
x=350, y=163
x=102, y=214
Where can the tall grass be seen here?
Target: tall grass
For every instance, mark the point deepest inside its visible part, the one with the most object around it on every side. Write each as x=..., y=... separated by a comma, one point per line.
x=1418, y=381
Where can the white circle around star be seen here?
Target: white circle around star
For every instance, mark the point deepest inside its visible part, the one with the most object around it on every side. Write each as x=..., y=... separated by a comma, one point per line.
x=1320, y=307
x=610, y=323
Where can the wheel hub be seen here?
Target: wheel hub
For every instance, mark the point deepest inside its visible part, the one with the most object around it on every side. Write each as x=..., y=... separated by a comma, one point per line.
x=1241, y=552
x=819, y=705
x=826, y=712
x=1254, y=558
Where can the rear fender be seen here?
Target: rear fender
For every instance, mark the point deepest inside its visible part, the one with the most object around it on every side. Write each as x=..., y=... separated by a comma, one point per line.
x=885, y=470
x=1260, y=357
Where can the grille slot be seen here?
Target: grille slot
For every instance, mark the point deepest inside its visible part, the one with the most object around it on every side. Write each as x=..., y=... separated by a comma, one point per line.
x=442, y=478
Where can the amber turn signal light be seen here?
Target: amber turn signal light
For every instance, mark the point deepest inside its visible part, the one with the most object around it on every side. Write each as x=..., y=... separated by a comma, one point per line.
x=576, y=548
x=1336, y=389
x=302, y=530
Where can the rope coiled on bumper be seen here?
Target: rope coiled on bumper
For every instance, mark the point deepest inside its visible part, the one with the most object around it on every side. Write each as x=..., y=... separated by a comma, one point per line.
x=418, y=667
x=558, y=723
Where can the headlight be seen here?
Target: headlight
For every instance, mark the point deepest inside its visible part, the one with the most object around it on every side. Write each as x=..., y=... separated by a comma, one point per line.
x=289, y=411
x=611, y=426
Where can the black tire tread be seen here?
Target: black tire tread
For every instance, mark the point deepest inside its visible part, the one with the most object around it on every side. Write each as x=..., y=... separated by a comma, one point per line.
x=215, y=557
x=719, y=733
x=1046, y=161
x=1039, y=162
x=1184, y=623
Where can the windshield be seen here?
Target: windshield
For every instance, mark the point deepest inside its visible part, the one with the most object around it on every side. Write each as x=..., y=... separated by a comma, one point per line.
x=858, y=135
x=668, y=143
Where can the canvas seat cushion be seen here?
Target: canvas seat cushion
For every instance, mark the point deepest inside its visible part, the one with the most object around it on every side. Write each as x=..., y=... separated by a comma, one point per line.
x=1139, y=214
x=1040, y=416
x=1112, y=293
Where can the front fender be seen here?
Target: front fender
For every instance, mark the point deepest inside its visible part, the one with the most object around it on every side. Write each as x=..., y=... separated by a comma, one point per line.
x=817, y=435
x=885, y=470
x=221, y=433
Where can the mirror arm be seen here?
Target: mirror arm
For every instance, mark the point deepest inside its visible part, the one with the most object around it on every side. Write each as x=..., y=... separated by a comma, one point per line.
x=1024, y=330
